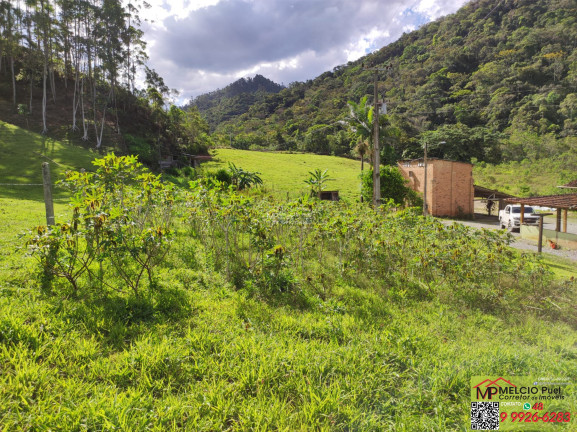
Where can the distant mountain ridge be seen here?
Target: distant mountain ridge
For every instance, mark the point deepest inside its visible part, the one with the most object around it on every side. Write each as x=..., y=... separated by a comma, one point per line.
x=496, y=81
x=233, y=100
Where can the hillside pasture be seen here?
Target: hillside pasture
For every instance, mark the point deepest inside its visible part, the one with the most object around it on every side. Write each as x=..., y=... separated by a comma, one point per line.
x=284, y=174
x=23, y=153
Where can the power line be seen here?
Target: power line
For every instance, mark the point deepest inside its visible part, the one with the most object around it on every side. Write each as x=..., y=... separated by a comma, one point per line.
x=21, y=184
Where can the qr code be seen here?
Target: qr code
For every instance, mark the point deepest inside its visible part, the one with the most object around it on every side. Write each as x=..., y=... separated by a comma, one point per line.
x=484, y=415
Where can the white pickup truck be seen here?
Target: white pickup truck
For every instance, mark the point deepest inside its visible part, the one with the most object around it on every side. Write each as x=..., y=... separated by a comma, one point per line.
x=510, y=217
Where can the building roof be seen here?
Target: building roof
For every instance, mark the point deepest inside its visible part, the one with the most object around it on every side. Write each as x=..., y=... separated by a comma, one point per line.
x=566, y=201
x=483, y=192
x=430, y=160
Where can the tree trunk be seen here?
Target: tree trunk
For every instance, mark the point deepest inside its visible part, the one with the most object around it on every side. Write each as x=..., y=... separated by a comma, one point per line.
x=84, y=126
x=13, y=80
x=44, y=83
x=75, y=101
x=31, y=93
x=52, y=83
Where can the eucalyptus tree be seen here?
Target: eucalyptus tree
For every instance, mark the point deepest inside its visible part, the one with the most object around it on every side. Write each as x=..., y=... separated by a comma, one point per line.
x=41, y=33
x=108, y=57
x=135, y=45
x=43, y=24
x=65, y=29
x=10, y=16
x=94, y=43
x=31, y=58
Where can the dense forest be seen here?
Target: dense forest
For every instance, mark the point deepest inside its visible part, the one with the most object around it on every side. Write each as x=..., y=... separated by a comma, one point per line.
x=495, y=81
x=69, y=69
x=233, y=100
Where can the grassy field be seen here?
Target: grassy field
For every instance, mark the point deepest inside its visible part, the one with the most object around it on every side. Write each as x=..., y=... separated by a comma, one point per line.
x=204, y=353
x=24, y=152
x=285, y=173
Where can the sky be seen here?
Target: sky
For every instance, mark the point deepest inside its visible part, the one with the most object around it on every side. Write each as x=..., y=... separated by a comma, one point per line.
x=199, y=46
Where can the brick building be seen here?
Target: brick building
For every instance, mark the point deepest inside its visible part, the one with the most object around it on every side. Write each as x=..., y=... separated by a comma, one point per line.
x=450, y=190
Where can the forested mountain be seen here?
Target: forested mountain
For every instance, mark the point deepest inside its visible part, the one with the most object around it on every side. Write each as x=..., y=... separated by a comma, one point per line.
x=68, y=67
x=233, y=100
x=496, y=80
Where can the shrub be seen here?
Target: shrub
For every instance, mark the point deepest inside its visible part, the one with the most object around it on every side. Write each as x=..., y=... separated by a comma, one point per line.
x=393, y=187
x=222, y=175
x=140, y=147
x=121, y=222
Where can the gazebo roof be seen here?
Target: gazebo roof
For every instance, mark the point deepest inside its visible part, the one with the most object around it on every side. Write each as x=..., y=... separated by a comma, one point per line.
x=566, y=201
x=484, y=192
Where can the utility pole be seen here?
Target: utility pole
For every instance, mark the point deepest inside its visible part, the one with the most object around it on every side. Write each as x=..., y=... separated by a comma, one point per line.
x=425, y=209
x=376, y=149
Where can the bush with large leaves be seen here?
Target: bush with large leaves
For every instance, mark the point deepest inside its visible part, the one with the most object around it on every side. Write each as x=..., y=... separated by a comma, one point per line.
x=120, y=224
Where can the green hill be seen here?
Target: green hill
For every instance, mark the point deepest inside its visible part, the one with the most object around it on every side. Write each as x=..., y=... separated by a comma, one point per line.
x=233, y=100
x=497, y=78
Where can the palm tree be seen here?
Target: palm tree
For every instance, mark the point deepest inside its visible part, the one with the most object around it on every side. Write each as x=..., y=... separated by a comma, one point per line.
x=317, y=181
x=360, y=122
x=360, y=119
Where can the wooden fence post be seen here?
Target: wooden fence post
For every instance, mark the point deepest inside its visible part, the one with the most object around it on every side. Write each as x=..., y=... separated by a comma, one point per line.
x=540, y=242
x=48, y=194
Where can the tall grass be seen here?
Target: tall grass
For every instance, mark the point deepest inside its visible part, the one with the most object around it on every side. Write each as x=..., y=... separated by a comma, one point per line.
x=275, y=315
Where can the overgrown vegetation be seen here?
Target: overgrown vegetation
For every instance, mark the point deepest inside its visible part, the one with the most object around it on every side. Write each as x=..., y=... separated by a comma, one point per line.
x=529, y=178
x=266, y=313
x=394, y=187
x=121, y=223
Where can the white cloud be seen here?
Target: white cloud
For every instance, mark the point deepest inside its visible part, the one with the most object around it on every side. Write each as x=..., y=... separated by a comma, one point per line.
x=201, y=45
x=161, y=9
x=437, y=8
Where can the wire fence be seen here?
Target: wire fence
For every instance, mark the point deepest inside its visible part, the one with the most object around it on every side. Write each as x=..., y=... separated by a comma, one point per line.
x=8, y=182
x=44, y=190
